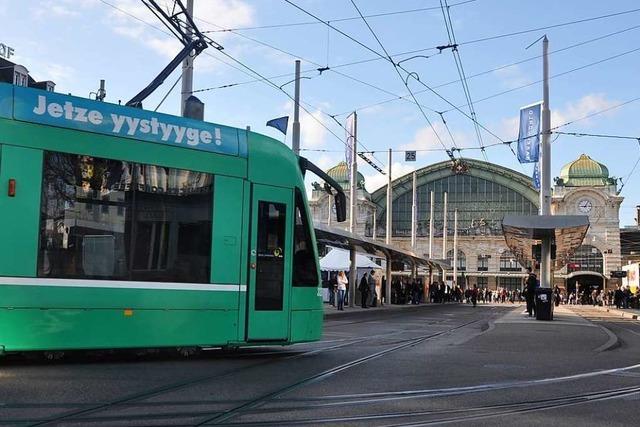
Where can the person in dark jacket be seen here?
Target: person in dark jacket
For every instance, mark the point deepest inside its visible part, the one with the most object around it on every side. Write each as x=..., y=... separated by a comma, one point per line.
x=364, y=290
x=530, y=287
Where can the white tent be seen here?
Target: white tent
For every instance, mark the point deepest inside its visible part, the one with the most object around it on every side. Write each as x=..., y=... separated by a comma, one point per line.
x=338, y=260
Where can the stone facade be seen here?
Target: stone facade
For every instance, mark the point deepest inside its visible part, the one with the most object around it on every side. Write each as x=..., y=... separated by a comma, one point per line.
x=595, y=194
x=583, y=188
x=322, y=207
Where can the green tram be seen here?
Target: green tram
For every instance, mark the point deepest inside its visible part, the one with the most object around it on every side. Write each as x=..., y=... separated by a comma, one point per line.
x=125, y=228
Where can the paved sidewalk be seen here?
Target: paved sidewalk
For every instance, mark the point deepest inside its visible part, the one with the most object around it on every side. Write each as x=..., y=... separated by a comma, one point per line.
x=623, y=312
x=332, y=312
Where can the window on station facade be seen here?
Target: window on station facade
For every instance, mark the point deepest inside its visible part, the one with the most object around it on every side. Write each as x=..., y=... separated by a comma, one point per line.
x=305, y=271
x=462, y=259
x=586, y=258
x=483, y=262
x=482, y=282
x=510, y=283
x=481, y=205
x=116, y=220
x=508, y=262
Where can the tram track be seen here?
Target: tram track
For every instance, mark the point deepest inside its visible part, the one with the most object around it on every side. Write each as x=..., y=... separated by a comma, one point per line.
x=262, y=406
x=79, y=414
x=255, y=403
x=479, y=412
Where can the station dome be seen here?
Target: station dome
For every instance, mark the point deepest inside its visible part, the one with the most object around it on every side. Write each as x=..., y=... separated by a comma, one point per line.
x=584, y=172
x=340, y=173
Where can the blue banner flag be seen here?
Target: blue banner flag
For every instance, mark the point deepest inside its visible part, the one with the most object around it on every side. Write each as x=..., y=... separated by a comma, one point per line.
x=281, y=123
x=536, y=176
x=529, y=134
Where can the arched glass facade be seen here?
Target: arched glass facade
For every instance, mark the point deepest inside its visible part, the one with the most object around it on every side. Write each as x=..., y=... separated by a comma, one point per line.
x=586, y=258
x=481, y=205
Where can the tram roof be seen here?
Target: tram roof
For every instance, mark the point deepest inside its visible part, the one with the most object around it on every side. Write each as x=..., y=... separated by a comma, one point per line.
x=82, y=114
x=343, y=239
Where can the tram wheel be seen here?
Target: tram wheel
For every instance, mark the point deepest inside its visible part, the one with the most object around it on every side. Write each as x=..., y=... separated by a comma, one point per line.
x=53, y=355
x=187, y=352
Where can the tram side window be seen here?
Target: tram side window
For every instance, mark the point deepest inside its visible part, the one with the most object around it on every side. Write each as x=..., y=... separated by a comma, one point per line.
x=305, y=271
x=115, y=220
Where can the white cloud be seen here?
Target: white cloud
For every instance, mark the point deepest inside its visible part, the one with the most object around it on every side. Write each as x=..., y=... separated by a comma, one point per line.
x=585, y=106
x=209, y=15
x=573, y=110
x=312, y=133
x=326, y=161
x=508, y=128
x=512, y=77
x=377, y=180
x=426, y=139
x=60, y=8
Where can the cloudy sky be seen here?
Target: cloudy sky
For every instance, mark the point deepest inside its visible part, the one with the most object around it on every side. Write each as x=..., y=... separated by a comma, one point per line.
x=594, y=65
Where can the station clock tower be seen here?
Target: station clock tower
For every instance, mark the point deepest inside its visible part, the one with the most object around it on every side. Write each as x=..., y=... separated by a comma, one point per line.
x=585, y=188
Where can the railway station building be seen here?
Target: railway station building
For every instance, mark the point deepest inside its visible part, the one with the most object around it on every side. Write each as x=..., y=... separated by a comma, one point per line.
x=483, y=193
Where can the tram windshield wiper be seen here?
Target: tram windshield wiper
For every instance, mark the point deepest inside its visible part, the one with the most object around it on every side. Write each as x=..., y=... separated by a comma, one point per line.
x=338, y=196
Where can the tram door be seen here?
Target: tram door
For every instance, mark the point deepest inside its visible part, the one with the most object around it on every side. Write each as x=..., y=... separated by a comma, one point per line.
x=270, y=263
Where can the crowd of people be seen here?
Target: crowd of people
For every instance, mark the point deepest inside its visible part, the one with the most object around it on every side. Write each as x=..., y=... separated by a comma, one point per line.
x=407, y=290
x=621, y=297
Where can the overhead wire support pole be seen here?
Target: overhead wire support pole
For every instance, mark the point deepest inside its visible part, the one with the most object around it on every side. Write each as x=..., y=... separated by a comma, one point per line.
x=414, y=211
x=431, y=212
x=389, y=228
x=455, y=247
x=353, y=176
x=187, y=65
x=295, y=144
x=545, y=168
x=444, y=235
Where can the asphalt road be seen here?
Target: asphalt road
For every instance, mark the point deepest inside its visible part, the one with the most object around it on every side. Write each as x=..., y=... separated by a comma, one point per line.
x=425, y=365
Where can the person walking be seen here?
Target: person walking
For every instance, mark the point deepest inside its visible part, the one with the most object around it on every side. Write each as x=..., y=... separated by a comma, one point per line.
x=364, y=289
x=531, y=291
x=342, y=288
x=617, y=297
x=474, y=295
x=372, y=289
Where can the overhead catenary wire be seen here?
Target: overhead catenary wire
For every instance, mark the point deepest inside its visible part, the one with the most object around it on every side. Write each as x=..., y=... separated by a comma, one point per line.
x=396, y=68
x=252, y=72
x=502, y=67
x=595, y=113
x=406, y=96
x=633, y=169
x=582, y=67
x=374, y=15
x=463, y=78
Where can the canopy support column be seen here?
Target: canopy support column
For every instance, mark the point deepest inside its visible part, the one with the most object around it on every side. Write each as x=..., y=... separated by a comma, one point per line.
x=353, y=276
x=388, y=275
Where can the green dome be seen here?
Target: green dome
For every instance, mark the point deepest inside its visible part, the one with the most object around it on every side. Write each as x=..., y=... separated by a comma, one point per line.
x=584, y=172
x=340, y=173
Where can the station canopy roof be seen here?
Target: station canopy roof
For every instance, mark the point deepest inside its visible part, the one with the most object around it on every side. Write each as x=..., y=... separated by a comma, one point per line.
x=343, y=239
x=566, y=231
x=339, y=260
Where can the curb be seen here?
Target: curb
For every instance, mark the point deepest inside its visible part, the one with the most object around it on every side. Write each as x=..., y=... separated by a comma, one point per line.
x=621, y=312
x=353, y=312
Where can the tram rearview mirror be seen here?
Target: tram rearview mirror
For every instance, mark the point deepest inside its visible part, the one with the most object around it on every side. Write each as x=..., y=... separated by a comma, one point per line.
x=338, y=196
x=341, y=207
